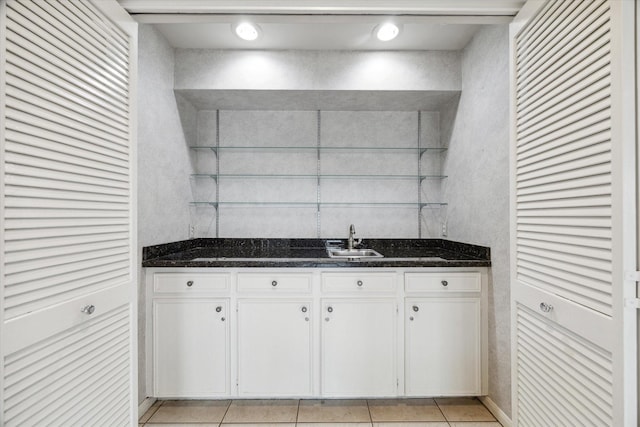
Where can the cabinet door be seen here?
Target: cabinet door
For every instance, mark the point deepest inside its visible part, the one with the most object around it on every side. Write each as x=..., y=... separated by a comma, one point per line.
x=191, y=348
x=274, y=348
x=359, y=348
x=443, y=347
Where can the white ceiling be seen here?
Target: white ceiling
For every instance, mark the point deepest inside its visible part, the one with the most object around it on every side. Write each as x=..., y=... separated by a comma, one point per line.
x=322, y=24
x=289, y=34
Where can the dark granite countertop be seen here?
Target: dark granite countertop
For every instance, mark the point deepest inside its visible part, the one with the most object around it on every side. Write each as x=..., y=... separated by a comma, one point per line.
x=311, y=253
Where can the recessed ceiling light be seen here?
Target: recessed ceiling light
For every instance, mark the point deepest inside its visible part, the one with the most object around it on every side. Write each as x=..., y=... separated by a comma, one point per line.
x=247, y=31
x=386, y=32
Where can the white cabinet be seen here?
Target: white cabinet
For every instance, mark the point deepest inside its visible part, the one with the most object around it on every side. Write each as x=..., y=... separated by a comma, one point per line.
x=359, y=334
x=442, y=348
x=275, y=333
x=359, y=348
x=190, y=347
x=443, y=334
x=274, y=347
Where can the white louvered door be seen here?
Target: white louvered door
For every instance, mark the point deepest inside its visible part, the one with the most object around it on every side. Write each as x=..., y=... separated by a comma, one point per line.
x=572, y=241
x=68, y=331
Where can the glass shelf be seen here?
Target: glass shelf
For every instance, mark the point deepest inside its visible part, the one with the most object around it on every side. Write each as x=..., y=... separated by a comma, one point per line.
x=321, y=204
x=284, y=176
x=422, y=150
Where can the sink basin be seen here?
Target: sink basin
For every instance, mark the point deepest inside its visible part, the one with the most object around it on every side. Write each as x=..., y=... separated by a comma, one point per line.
x=353, y=253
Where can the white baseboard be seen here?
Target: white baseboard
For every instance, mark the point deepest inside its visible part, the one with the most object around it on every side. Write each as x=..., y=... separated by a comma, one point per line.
x=496, y=411
x=145, y=405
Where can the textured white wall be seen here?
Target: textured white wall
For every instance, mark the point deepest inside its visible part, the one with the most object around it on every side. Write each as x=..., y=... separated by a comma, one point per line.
x=163, y=161
x=477, y=187
x=317, y=70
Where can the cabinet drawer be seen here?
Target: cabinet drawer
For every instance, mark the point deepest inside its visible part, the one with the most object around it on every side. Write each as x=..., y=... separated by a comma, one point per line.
x=194, y=283
x=276, y=282
x=442, y=282
x=358, y=282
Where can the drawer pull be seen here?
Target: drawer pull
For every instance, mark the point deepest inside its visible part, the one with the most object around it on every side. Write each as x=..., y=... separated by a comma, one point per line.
x=190, y=283
x=415, y=308
x=359, y=283
x=445, y=283
x=545, y=308
x=88, y=309
x=218, y=309
x=274, y=283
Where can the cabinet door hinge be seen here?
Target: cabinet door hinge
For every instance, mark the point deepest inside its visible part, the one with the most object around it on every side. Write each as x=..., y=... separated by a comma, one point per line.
x=632, y=276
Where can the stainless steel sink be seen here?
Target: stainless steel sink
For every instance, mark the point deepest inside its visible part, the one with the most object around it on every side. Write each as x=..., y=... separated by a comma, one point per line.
x=353, y=253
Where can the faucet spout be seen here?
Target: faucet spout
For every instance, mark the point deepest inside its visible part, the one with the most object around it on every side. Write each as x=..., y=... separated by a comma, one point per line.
x=352, y=243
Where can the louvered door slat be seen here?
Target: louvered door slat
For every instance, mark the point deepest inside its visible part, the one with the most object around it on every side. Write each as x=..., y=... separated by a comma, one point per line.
x=42, y=52
x=67, y=233
x=25, y=18
x=548, y=18
x=546, y=354
x=31, y=93
x=567, y=173
x=106, y=34
x=73, y=17
x=49, y=20
x=33, y=403
x=40, y=119
x=564, y=208
x=41, y=109
x=65, y=177
x=58, y=81
x=66, y=90
x=574, y=24
x=46, y=144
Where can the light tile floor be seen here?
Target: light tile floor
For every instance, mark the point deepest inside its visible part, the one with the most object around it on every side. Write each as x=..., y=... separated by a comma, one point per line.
x=439, y=412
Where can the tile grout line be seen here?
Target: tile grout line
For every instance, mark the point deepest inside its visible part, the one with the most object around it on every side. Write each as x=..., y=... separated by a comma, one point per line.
x=298, y=412
x=369, y=411
x=225, y=412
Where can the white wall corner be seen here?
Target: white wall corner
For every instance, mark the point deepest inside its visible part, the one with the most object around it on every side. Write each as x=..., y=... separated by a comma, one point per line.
x=496, y=411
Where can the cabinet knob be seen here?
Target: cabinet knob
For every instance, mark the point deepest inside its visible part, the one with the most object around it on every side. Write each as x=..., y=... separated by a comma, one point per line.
x=222, y=319
x=411, y=318
x=274, y=283
x=359, y=283
x=88, y=309
x=303, y=309
x=190, y=283
x=330, y=309
x=545, y=308
x=326, y=319
x=445, y=283
x=415, y=308
x=218, y=309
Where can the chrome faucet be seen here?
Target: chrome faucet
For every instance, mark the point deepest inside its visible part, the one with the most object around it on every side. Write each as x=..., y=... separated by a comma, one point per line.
x=352, y=243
